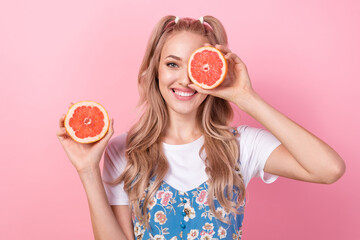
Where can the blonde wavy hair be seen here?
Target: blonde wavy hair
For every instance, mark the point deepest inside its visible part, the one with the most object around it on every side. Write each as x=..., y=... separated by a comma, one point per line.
x=144, y=153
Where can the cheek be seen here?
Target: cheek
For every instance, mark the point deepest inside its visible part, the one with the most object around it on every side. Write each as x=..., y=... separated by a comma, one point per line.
x=202, y=97
x=162, y=88
x=167, y=76
x=163, y=78
x=162, y=83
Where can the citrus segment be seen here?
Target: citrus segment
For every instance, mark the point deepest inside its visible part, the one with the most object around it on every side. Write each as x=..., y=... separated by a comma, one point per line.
x=207, y=67
x=86, y=122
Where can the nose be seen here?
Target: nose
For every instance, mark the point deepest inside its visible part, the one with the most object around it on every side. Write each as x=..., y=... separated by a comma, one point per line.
x=185, y=80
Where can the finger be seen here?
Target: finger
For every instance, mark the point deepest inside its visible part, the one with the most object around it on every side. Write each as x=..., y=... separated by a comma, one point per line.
x=109, y=133
x=111, y=128
x=235, y=62
x=70, y=105
x=223, y=48
x=231, y=60
x=198, y=89
x=62, y=118
x=61, y=121
x=235, y=58
x=207, y=45
x=61, y=133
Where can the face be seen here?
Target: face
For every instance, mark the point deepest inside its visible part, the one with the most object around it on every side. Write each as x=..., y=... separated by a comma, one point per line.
x=173, y=75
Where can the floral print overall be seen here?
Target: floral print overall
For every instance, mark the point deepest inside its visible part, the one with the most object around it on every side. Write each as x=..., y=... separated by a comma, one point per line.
x=174, y=214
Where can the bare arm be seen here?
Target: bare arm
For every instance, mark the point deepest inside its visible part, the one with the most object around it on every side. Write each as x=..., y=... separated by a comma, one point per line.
x=104, y=223
x=123, y=216
x=86, y=158
x=301, y=155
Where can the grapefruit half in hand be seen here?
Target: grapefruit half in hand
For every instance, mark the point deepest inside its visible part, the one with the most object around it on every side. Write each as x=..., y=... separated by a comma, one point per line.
x=87, y=122
x=207, y=67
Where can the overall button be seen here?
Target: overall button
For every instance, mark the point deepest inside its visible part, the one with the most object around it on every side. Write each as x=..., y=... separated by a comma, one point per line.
x=182, y=225
x=184, y=201
x=183, y=213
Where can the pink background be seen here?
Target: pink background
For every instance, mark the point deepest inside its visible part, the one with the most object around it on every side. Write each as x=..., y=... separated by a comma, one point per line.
x=303, y=58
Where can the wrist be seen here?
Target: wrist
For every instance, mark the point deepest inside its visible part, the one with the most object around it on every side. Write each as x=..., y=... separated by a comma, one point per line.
x=247, y=101
x=89, y=170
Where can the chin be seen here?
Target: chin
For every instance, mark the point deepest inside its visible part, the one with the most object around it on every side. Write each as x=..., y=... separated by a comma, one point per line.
x=183, y=110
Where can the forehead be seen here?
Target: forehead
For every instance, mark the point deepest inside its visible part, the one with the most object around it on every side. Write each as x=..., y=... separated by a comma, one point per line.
x=183, y=44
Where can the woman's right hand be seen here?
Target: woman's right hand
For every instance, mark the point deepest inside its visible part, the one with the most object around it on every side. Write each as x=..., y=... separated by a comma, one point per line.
x=84, y=157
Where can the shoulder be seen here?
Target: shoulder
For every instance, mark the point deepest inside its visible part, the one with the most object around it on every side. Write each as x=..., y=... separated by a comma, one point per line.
x=251, y=135
x=246, y=129
x=117, y=144
x=255, y=143
x=115, y=150
x=247, y=133
x=114, y=156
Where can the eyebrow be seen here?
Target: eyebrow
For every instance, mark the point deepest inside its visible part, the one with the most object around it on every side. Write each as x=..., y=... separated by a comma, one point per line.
x=175, y=57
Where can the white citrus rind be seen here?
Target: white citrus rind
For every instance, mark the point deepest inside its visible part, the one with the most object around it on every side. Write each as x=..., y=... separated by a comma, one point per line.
x=71, y=132
x=223, y=69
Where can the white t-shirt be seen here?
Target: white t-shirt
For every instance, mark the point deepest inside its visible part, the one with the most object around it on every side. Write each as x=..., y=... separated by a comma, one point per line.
x=186, y=168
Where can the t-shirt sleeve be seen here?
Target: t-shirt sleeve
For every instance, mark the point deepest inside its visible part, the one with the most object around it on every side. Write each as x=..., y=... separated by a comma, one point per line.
x=256, y=146
x=114, y=165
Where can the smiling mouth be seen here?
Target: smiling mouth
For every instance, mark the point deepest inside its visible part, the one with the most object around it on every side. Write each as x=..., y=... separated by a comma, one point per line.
x=184, y=94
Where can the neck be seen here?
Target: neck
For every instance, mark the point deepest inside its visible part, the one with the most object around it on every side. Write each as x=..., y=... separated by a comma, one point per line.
x=181, y=129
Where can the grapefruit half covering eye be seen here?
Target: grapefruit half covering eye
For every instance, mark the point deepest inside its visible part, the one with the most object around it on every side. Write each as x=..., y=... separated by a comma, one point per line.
x=87, y=122
x=207, y=67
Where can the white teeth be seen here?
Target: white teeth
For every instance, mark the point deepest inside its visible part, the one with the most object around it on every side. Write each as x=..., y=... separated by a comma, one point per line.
x=184, y=94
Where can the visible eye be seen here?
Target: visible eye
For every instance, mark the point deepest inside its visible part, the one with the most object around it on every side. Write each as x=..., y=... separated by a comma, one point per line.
x=171, y=64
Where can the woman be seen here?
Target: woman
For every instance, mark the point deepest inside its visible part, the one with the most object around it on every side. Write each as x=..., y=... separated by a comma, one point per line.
x=181, y=171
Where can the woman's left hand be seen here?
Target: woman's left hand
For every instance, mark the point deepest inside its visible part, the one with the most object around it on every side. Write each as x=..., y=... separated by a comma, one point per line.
x=236, y=86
